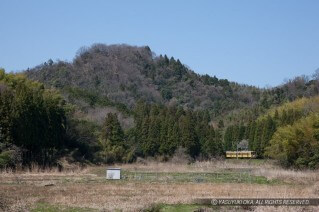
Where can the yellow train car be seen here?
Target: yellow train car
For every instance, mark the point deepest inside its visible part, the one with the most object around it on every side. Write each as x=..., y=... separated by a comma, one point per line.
x=240, y=154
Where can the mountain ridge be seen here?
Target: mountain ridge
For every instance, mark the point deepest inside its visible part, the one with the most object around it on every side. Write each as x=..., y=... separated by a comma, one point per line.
x=124, y=74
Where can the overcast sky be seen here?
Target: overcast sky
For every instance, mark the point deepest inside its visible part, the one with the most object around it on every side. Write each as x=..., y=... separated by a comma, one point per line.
x=258, y=42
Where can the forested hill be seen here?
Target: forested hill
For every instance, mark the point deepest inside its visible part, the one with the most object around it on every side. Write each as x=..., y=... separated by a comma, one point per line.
x=122, y=74
x=123, y=102
x=125, y=74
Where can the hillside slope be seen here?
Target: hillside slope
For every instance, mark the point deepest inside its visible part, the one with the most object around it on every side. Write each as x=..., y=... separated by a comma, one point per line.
x=124, y=74
x=119, y=75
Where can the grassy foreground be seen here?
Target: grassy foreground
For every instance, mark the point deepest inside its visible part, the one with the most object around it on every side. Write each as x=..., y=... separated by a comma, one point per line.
x=156, y=186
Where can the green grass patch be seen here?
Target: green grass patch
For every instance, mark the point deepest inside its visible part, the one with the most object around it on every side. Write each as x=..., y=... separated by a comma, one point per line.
x=45, y=207
x=224, y=176
x=181, y=208
x=193, y=208
x=189, y=177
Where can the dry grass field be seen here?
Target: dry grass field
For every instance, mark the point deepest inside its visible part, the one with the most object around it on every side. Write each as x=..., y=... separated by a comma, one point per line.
x=154, y=186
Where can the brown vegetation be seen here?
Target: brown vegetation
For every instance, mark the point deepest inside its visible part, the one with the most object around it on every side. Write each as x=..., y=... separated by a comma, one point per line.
x=87, y=187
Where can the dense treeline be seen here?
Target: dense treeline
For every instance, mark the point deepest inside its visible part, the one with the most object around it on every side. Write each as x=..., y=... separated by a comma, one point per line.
x=297, y=145
x=159, y=131
x=38, y=126
x=279, y=133
x=32, y=124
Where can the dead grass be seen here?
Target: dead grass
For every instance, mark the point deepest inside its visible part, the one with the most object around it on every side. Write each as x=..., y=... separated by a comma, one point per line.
x=206, y=166
x=292, y=176
x=135, y=196
x=86, y=189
